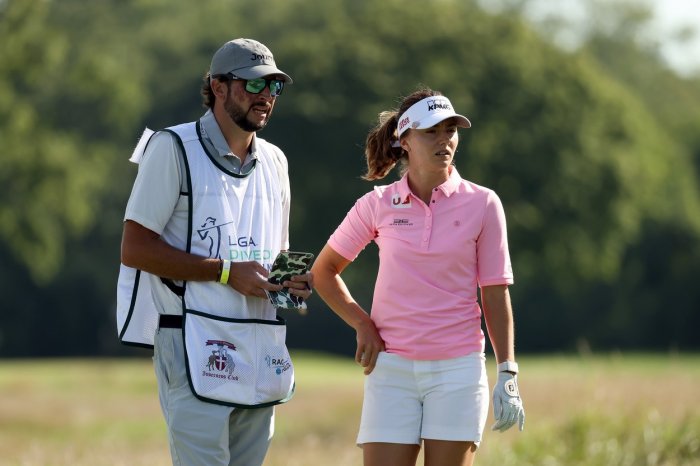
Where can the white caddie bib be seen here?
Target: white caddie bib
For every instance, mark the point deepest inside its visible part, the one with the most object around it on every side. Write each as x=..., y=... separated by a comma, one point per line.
x=235, y=345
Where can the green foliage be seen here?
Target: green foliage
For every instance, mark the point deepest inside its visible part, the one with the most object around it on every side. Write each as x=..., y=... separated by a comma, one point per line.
x=594, y=153
x=59, y=95
x=619, y=37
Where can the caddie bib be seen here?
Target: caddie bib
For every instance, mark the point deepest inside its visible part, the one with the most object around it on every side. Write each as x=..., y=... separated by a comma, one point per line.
x=234, y=344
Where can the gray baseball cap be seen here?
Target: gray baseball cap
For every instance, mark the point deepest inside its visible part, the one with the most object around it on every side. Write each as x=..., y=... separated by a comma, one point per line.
x=247, y=59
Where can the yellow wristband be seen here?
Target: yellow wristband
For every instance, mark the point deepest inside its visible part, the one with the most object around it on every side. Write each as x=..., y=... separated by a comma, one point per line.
x=224, y=272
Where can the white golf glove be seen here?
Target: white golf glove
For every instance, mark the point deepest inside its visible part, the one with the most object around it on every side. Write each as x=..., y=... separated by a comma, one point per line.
x=507, y=405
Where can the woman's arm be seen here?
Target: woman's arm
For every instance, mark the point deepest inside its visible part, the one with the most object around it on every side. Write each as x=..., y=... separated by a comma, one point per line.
x=332, y=289
x=507, y=404
x=498, y=315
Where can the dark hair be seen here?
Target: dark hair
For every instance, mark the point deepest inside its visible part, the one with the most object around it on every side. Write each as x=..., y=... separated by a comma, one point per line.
x=208, y=97
x=380, y=152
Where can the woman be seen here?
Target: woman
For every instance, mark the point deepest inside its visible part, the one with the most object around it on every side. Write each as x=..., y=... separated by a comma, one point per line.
x=440, y=238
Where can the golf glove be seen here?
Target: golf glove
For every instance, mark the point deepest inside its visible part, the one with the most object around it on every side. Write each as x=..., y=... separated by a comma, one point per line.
x=507, y=405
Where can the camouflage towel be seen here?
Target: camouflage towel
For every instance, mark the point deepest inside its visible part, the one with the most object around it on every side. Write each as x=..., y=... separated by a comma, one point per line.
x=286, y=265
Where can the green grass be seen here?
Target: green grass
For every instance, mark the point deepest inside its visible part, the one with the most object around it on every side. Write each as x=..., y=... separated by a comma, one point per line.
x=607, y=410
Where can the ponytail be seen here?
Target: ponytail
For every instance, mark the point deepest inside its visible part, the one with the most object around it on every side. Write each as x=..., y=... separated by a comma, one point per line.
x=380, y=151
x=382, y=148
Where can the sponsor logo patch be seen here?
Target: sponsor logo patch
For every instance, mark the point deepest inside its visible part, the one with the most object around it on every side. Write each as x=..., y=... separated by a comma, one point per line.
x=439, y=104
x=512, y=388
x=398, y=203
x=401, y=222
x=236, y=248
x=279, y=365
x=219, y=364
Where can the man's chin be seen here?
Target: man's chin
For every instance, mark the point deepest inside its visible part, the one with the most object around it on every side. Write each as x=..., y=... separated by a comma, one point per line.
x=251, y=127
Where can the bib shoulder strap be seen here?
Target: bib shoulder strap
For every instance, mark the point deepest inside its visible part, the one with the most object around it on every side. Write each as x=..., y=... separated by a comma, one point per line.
x=185, y=190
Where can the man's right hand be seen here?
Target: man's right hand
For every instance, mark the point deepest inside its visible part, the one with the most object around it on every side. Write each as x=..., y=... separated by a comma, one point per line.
x=250, y=279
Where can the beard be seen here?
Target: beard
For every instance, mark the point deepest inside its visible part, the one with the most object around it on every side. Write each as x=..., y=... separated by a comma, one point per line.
x=240, y=117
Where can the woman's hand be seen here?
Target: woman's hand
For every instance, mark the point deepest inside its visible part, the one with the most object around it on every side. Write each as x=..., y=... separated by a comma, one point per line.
x=369, y=345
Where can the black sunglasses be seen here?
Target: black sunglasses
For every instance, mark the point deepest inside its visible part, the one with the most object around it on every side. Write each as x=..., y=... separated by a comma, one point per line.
x=256, y=86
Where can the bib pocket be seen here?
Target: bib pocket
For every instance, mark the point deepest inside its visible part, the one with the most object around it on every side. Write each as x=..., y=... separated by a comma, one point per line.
x=237, y=362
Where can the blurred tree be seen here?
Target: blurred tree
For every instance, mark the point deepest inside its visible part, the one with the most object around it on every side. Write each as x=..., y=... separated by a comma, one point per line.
x=650, y=298
x=579, y=160
x=591, y=179
x=633, y=309
x=64, y=96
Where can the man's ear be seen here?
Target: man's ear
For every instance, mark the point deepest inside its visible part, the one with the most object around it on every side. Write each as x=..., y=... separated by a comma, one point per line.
x=219, y=88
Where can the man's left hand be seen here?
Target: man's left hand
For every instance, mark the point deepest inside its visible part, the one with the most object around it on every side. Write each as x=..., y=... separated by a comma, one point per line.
x=301, y=285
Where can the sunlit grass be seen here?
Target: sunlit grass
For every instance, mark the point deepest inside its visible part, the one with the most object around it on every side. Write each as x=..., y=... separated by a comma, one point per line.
x=598, y=410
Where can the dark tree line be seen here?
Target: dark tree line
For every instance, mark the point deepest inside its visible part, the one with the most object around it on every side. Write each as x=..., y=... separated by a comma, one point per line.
x=595, y=154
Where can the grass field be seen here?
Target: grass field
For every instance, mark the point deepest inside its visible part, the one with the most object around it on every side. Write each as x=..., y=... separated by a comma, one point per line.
x=612, y=410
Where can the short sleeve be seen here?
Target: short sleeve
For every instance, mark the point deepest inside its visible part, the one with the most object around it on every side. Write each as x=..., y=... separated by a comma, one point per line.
x=156, y=189
x=493, y=259
x=358, y=228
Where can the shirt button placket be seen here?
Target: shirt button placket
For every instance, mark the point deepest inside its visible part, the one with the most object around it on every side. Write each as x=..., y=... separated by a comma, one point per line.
x=428, y=227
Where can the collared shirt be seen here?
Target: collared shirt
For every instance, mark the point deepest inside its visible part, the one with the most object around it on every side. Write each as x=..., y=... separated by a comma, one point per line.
x=216, y=144
x=155, y=197
x=432, y=258
x=245, y=216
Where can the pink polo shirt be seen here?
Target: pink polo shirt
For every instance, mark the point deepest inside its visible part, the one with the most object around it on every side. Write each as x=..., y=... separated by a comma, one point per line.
x=431, y=260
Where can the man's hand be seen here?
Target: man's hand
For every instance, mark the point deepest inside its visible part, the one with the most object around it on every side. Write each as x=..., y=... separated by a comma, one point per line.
x=507, y=405
x=301, y=285
x=250, y=279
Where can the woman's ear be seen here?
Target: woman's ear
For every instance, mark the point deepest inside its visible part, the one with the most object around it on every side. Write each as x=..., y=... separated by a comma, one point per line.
x=404, y=144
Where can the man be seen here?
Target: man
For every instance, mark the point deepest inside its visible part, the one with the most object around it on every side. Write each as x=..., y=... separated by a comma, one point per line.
x=208, y=214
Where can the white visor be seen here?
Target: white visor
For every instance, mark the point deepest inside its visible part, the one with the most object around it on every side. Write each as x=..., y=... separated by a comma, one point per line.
x=428, y=113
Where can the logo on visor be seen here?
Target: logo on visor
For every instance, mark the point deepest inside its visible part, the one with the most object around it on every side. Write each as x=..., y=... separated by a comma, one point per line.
x=439, y=104
x=403, y=123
